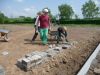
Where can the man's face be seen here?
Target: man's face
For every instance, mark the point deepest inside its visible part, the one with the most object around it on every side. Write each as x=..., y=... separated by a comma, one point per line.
x=45, y=12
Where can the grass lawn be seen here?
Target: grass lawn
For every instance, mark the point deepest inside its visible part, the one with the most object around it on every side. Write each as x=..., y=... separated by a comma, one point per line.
x=81, y=25
x=68, y=25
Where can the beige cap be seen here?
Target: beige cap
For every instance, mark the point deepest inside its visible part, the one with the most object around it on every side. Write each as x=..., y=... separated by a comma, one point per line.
x=45, y=10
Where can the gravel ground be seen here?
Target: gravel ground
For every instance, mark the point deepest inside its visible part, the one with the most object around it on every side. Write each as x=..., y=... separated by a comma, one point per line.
x=66, y=63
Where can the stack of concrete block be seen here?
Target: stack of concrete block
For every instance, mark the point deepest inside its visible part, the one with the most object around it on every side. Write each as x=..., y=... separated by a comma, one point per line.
x=29, y=62
x=32, y=59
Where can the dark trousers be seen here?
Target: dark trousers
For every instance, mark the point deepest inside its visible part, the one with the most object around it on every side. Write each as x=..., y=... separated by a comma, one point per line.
x=36, y=34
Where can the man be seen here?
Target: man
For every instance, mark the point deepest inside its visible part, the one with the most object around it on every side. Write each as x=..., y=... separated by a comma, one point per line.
x=37, y=26
x=44, y=26
x=62, y=34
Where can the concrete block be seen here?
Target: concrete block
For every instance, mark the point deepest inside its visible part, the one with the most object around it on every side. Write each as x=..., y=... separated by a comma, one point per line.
x=36, y=58
x=30, y=62
x=51, y=52
x=50, y=46
x=97, y=71
x=19, y=61
x=32, y=54
x=57, y=48
x=26, y=63
x=65, y=46
x=42, y=54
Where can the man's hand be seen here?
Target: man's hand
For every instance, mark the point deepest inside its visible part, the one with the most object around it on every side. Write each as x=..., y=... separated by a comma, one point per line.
x=36, y=31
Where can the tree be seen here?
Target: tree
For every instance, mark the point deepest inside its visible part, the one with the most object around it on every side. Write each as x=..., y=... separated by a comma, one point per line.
x=76, y=16
x=28, y=19
x=66, y=11
x=2, y=17
x=90, y=10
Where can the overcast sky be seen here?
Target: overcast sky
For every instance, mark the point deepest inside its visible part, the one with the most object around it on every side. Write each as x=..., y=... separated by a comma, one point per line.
x=15, y=8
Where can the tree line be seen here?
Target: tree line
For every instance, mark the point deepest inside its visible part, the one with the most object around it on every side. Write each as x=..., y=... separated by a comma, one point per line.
x=89, y=11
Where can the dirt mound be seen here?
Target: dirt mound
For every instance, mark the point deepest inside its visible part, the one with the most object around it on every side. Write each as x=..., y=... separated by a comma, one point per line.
x=70, y=61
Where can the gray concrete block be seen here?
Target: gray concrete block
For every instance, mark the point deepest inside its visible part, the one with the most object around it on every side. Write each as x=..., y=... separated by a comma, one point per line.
x=30, y=62
x=97, y=71
x=19, y=61
x=33, y=59
x=66, y=46
x=32, y=54
x=58, y=48
x=43, y=54
x=51, y=52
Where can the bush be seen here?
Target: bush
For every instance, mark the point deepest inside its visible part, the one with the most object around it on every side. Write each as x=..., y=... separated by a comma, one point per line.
x=81, y=21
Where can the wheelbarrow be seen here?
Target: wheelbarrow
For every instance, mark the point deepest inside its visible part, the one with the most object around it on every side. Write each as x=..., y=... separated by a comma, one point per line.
x=4, y=34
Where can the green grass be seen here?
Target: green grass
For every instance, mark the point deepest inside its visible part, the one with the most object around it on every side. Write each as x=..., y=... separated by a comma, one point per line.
x=18, y=24
x=23, y=24
x=81, y=25
x=5, y=26
x=69, y=25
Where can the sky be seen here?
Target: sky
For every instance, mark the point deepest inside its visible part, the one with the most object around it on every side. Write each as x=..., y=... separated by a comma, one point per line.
x=29, y=8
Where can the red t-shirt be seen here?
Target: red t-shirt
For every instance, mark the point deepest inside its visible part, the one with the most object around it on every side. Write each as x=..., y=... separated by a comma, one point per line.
x=44, y=21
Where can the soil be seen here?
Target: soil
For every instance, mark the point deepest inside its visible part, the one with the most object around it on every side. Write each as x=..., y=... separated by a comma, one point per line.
x=68, y=62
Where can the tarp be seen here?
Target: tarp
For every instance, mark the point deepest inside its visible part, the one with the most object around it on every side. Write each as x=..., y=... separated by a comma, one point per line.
x=3, y=30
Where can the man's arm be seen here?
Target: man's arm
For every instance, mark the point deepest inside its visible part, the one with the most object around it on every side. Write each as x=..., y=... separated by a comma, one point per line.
x=50, y=24
x=36, y=23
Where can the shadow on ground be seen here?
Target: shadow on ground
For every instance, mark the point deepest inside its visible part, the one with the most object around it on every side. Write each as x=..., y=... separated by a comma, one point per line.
x=38, y=42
